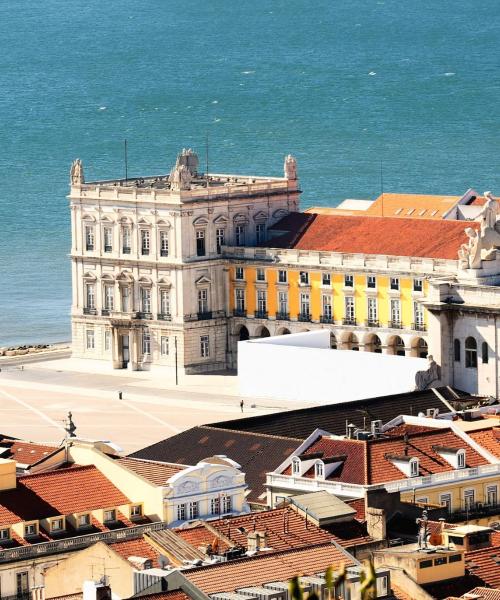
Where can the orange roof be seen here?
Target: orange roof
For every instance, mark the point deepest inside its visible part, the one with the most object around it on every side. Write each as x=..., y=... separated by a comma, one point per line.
x=156, y=472
x=414, y=206
x=488, y=439
x=265, y=568
x=60, y=492
x=375, y=235
x=326, y=210
x=136, y=547
x=25, y=453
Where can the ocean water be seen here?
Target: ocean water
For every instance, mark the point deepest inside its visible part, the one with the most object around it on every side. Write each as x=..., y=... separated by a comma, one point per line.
x=350, y=87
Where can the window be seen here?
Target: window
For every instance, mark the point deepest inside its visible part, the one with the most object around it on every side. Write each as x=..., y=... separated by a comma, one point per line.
x=418, y=314
x=146, y=342
x=261, y=301
x=371, y=282
x=348, y=281
x=240, y=300
x=109, y=296
x=145, y=242
x=57, y=525
x=89, y=238
x=484, y=353
x=163, y=243
x=203, y=301
x=395, y=312
x=22, y=584
x=181, y=512
x=424, y=564
x=193, y=510
x=83, y=520
x=283, y=303
x=327, y=307
x=30, y=529
x=239, y=273
x=469, y=496
x=349, y=308
x=319, y=470
x=296, y=466
x=4, y=534
x=260, y=232
x=126, y=240
x=492, y=495
x=90, y=339
x=204, y=346
x=282, y=277
x=108, y=239
x=305, y=305
x=304, y=278
x=418, y=285
x=219, y=239
x=445, y=500
x=456, y=350
x=455, y=558
x=215, y=506
x=240, y=235
x=164, y=349
x=372, y=310
x=461, y=459
x=146, y=299
x=109, y=515
x=394, y=283
x=136, y=510
x=261, y=275
x=165, y=302
x=200, y=242
x=227, y=504
x=90, y=295
x=471, y=353
x=414, y=467
x=326, y=279
x=107, y=340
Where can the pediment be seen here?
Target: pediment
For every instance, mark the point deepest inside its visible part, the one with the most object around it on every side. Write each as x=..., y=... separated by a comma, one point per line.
x=280, y=213
x=260, y=216
x=240, y=218
x=203, y=280
x=201, y=221
x=221, y=220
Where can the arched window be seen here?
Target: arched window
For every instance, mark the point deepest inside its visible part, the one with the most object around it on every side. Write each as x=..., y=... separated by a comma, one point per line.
x=319, y=470
x=484, y=352
x=456, y=350
x=295, y=466
x=471, y=353
x=414, y=467
x=461, y=459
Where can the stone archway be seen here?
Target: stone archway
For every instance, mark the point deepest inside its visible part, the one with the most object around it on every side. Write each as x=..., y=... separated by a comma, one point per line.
x=373, y=343
x=243, y=334
x=396, y=346
x=419, y=348
x=262, y=332
x=283, y=331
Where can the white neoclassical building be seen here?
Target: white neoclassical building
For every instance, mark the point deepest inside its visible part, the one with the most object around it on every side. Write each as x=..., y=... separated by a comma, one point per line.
x=149, y=279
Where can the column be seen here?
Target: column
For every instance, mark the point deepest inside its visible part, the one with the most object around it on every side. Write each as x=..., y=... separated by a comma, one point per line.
x=115, y=349
x=134, y=349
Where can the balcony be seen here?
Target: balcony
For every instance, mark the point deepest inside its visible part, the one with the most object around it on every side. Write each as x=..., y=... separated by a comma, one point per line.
x=282, y=316
x=164, y=317
x=239, y=312
x=89, y=248
x=206, y=315
x=89, y=311
x=144, y=315
x=260, y=314
x=145, y=251
x=126, y=250
x=304, y=318
x=475, y=510
x=203, y=316
x=349, y=321
x=395, y=325
x=163, y=253
x=108, y=249
x=326, y=319
x=371, y=323
x=418, y=327
x=105, y=312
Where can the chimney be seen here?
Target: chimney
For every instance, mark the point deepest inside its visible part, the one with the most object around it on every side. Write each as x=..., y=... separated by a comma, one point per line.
x=256, y=540
x=7, y=474
x=351, y=428
x=96, y=590
x=376, y=523
x=140, y=563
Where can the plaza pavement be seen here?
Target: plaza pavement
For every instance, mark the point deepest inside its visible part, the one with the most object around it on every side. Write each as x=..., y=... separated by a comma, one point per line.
x=36, y=397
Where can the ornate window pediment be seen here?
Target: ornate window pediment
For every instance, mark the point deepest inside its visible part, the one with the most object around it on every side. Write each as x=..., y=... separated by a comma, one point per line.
x=260, y=216
x=87, y=217
x=203, y=280
x=163, y=223
x=164, y=282
x=145, y=280
x=143, y=221
x=280, y=213
x=125, y=220
x=106, y=219
x=125, y=276
x=221, y=220
x=201, y=221
x=107, y=277
x=240, y=218
x=88, y=276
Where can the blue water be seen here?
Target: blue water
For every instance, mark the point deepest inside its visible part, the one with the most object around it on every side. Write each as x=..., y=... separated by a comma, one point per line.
x=341, y=84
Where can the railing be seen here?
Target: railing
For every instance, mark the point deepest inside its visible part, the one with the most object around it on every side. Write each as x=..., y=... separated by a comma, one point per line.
x=81, y=541
x=239, y=312
x=395, y=325
x=326, y=319
x=205, y=315
x=308, y=484
x=89, y=248
x=163, y=252
x=214, y=314
x=105, y=312
x=108, y=249
x=89, y=311
x=144, y=315
x=371, y=323
x=282, y=316
x=164, y=317
x=418, y=327
x=260, y=314
x=476, y=510
x=126, y=250
x=145, y=252
x=304, y=317
x=349, y=321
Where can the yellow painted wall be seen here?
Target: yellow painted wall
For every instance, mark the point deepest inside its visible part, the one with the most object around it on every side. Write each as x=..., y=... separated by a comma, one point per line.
x=338, y=296
x=272, y=300
x=406, y=287
x=316, y=308
x=293, y=294
x=384, y=305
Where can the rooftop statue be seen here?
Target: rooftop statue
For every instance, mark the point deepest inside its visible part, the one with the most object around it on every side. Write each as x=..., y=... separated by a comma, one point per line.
x=290, y=167
x=76, y=173
x=482, y=244
x=180, y=178
x=424, y=379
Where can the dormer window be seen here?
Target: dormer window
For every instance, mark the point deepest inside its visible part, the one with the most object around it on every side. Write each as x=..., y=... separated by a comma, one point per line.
x=319, y=470
x=296, y=466
x=83, y=520
x=30, y=529
x=461, y=459
x=136, y=511
x=57, y=524
x=4, y=534
x=414, y=467
x=109, y=515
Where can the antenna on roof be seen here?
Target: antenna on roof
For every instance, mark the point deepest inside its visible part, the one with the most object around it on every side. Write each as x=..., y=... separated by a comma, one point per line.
x=382, y=184
x=126, y=159
x=206, y=156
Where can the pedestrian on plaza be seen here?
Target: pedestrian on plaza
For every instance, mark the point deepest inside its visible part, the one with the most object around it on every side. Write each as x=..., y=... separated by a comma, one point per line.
x=242, y=404
x=120, y=395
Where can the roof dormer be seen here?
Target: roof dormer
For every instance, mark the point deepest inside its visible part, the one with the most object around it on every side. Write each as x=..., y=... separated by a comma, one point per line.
x=408, y=465
x=454, y=456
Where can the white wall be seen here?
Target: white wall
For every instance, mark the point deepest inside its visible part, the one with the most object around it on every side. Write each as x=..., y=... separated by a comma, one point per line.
x=302, y=367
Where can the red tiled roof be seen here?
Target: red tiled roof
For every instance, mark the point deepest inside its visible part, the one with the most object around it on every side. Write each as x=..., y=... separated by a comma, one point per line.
x=25, y=453
x=483, y=593
x=360, y=508
x=260, y=569
x=488, y=439
x=136, y=547
x=172, y=595
x=199, y=535
x=154, y=471
x=483, y=563
x=60, y=492
x=388, y=236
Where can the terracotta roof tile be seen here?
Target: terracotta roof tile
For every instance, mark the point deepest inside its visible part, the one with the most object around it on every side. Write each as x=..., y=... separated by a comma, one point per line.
x=22, y=452
x=136, y=547
x=420, y=206
x=172, y=595
x=156, y=472
x=279, y=566
x=488, y=439
x=483, y=563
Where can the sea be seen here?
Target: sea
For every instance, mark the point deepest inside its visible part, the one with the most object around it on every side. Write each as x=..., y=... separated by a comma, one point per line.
x=399, y=95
